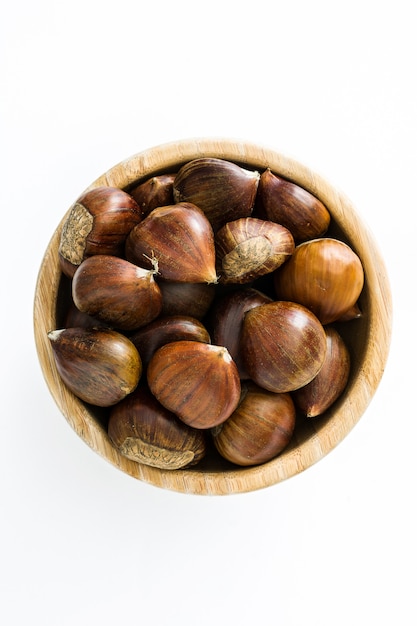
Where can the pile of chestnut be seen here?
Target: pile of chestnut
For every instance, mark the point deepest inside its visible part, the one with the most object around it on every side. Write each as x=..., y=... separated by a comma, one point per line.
x=202, y=310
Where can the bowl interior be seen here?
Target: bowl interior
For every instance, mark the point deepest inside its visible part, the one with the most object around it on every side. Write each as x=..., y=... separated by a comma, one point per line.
x=367, y=337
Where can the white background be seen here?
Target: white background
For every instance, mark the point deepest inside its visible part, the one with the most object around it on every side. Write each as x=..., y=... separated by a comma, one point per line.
x=85, y=84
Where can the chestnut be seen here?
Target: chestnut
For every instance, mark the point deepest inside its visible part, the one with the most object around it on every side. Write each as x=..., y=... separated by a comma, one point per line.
x=117, y=292
x=144, y=431
x=199, y=382
x=177, y=241
x=248, y=248
x=97, y=223
x=259, y=429
x=283, y=345
x=318, y=395
x=74, y=318
x=226, y=321
x=99, y=365
x=192, y=299
x=164, y=330
x=222, y=189
x=325, y=275
x=282, y=201
x=154, y=192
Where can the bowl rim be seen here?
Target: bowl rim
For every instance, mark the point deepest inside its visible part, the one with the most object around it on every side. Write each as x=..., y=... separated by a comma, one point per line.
x=294, y=459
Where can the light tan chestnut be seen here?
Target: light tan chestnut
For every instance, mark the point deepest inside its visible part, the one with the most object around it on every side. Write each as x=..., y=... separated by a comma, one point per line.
x=222, y=189
x=248, y=248
x=199, y=382
x=178, y=241
x=164, y=330
x=97, y=223
x=115, y=291
x=100, y=366
x=279, y=200
x=324, y=275
x=259, y=429
x=283, y=346
x=318, y=395
x=144, y=431
x=226, y=321
x=154, y=192
x=192, y=299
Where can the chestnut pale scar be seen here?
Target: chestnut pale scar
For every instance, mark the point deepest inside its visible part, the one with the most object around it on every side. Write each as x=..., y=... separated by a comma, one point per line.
x=142, y=452
x=246, y=256
x=74, y=234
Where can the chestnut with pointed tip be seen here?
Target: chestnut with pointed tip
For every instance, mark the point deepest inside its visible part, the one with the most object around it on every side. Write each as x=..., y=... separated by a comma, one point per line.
x=154, y=192
x=178, y=241
x=144, y=431
x=281, y=201
x=354, y=313
x=117, y=292
x=224, y=190
x=317, y=396
x=199, y=382
x=99, y=365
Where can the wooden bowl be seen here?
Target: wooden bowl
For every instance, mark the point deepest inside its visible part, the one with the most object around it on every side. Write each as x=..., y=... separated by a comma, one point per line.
x=368, y=337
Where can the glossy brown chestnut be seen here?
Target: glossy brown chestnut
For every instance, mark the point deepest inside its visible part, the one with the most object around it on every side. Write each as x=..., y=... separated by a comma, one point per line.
x=144, y=431
x=154, y=192
x=100, y=366
x=283, y=346
x=286, y=203
x=164, y=330
x=318, y=395
x=226, y=321
x=248, y=248
x=222, y=189
x=325, y=275
x=199, y=382
x=259, y=429
x=178, y=241
x=115, y=291
x=97, y=223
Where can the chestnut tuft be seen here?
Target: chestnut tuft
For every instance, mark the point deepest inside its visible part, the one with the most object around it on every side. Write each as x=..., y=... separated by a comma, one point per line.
x=176, y=240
